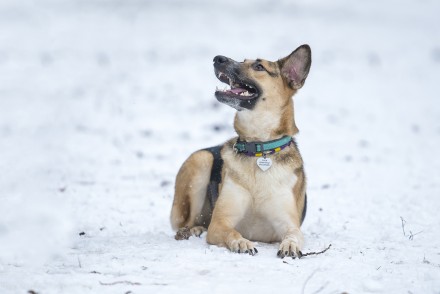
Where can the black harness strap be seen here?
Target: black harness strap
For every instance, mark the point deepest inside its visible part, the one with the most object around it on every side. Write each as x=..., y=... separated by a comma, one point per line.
x=303, y=215
x=216, y=174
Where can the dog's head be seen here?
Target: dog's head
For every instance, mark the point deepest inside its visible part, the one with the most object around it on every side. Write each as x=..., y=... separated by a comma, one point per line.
x=254, y=82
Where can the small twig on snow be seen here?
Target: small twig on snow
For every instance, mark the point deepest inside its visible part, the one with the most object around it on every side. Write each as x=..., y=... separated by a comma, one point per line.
x=79, y=262
x=411, y=235
x=316, y=253
x=425, y=260
x=403, y=226
x=430, y=263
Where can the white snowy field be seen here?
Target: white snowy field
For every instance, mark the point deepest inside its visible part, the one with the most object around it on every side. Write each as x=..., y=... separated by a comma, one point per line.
x=101, y=102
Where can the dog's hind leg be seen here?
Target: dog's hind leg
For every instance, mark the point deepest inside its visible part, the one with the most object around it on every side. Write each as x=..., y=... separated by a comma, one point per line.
x=191, y=208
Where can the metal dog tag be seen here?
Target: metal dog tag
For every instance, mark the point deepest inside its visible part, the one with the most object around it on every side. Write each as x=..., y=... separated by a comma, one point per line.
x=264, y=163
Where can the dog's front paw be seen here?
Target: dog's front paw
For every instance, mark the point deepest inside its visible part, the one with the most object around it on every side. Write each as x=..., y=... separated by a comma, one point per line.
x=289, y=247
x=242, y=245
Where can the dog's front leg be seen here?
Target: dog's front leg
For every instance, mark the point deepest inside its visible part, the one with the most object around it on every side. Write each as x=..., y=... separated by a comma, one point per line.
x=231, y=207
x=287, y=222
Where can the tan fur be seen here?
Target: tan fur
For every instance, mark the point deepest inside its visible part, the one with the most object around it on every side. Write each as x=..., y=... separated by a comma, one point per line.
x=190, y=191
x=253, y=204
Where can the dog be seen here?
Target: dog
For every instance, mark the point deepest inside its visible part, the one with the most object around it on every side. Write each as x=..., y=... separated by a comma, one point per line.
x=253, y=187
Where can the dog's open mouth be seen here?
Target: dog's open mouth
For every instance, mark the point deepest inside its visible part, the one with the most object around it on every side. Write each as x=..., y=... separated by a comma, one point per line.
x=238, y=89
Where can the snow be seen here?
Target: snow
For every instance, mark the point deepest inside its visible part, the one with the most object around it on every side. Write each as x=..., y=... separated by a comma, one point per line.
x=102, y=101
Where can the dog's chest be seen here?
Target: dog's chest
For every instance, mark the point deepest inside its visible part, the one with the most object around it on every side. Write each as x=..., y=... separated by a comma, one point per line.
x=277, y=179
x=260, y=176
x=272, y=198
x=272, y=190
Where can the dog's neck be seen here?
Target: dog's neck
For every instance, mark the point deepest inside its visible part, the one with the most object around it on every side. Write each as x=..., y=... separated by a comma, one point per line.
x=265, y=124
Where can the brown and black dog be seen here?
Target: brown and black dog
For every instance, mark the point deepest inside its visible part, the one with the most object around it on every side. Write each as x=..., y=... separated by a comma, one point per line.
x=252, y=187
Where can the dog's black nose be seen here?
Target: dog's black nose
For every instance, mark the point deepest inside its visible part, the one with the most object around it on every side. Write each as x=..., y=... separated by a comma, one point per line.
x=220, y=59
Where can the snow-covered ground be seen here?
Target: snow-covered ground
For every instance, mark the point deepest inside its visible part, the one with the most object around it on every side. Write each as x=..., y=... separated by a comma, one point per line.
x=101, y=102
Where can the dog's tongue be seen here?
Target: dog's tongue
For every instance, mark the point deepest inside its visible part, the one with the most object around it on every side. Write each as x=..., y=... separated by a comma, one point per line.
x=237, y=91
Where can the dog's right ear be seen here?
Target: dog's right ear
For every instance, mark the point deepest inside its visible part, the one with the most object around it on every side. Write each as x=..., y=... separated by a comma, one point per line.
x=296, y=66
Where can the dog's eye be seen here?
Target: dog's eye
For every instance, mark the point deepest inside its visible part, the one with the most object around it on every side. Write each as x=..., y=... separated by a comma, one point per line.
x=259, y=67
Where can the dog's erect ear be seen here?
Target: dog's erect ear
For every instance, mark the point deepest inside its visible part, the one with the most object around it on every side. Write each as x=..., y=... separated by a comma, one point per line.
x=296, y=66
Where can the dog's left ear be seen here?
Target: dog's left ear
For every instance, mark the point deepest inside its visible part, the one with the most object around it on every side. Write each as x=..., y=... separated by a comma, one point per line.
x=296, y=66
